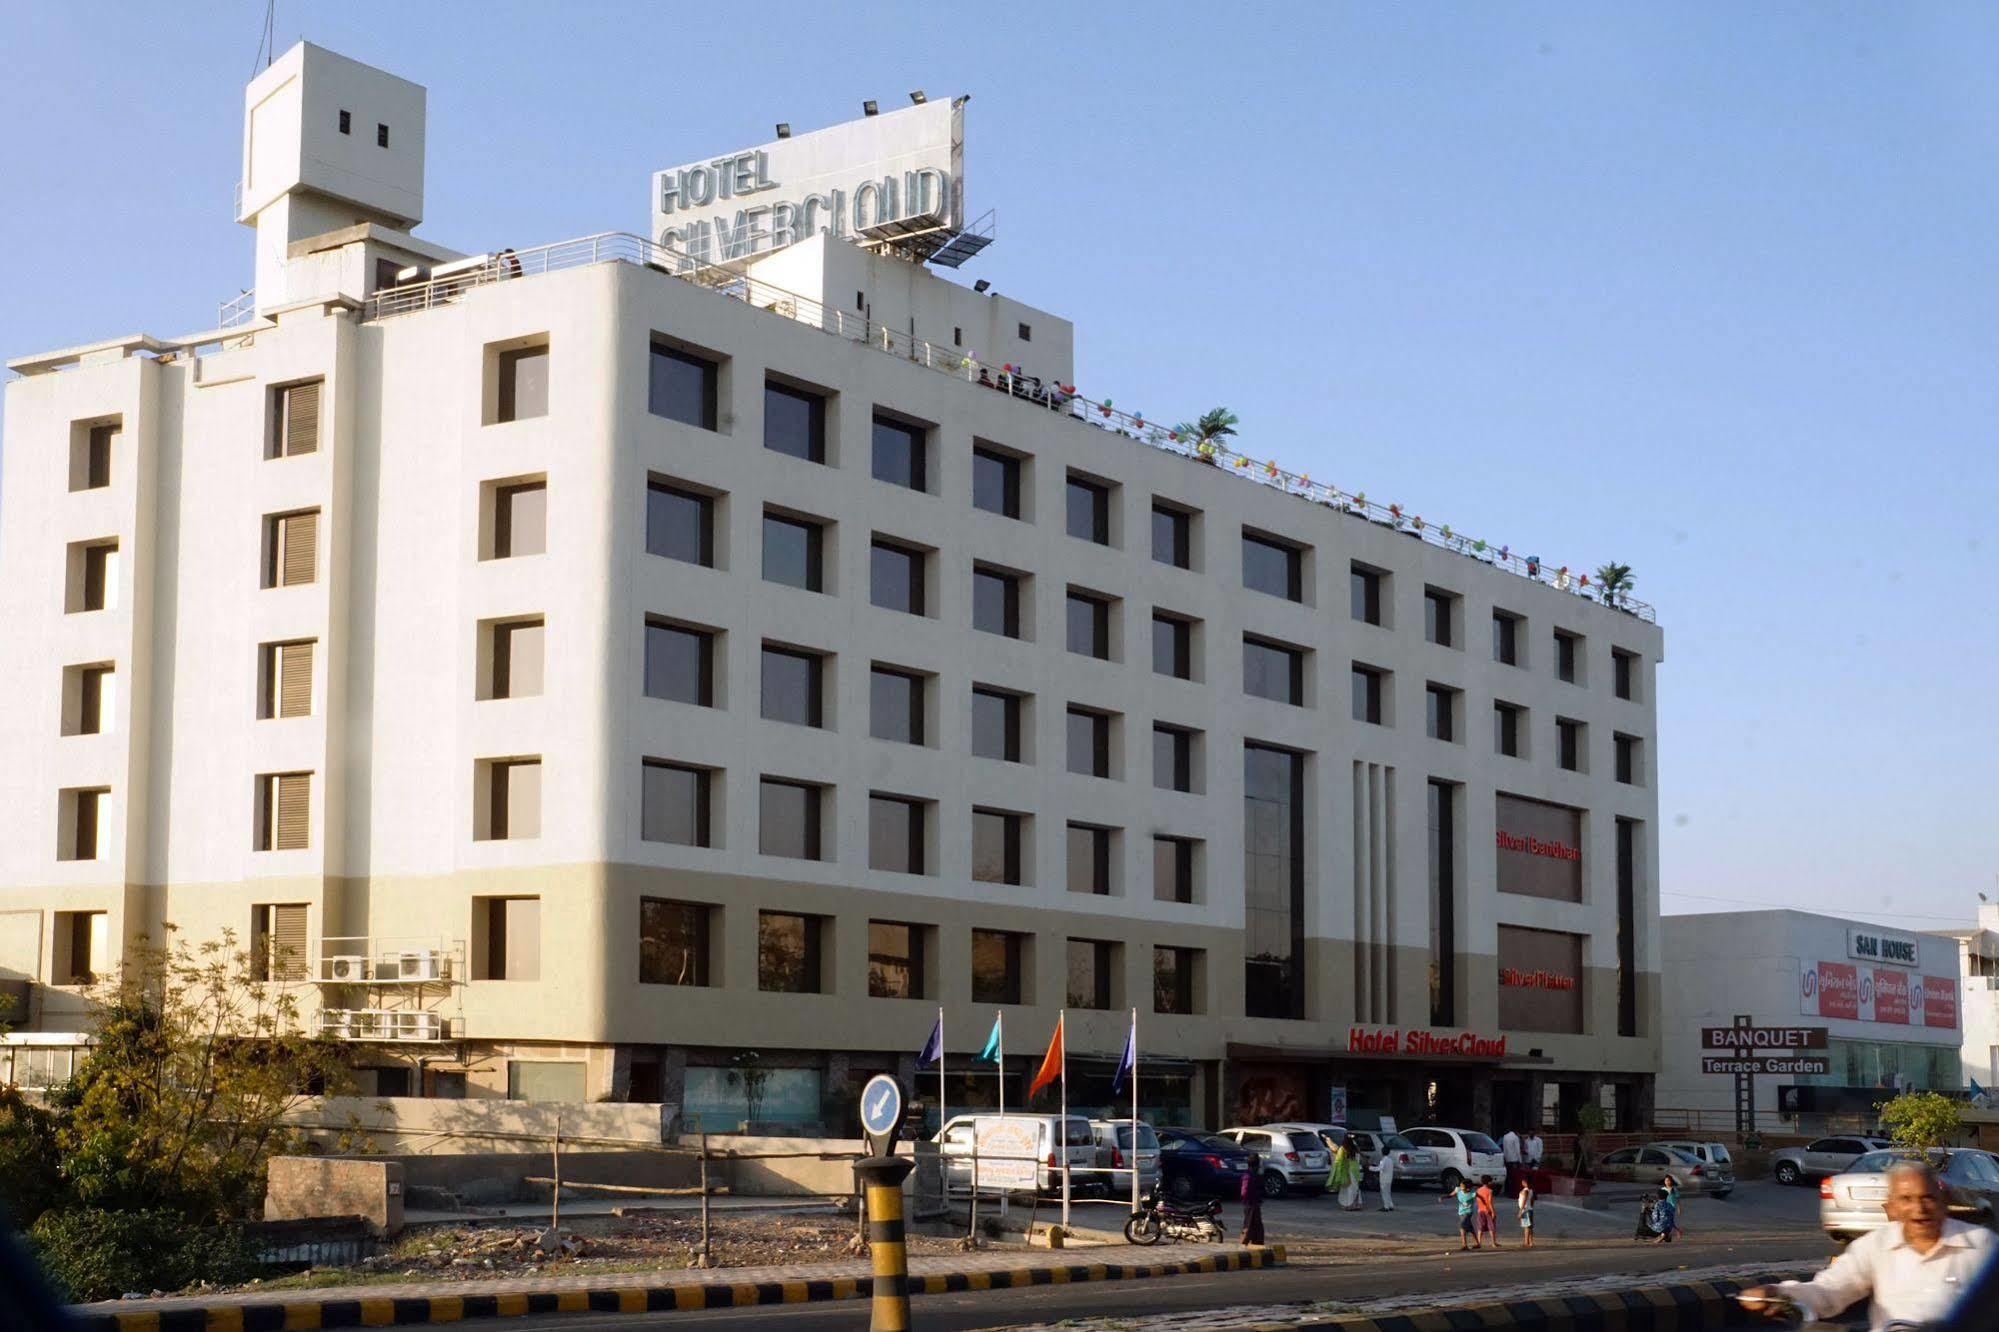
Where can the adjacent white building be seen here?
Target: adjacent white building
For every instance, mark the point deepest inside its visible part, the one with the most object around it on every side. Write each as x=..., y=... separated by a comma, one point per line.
x=1978, y=962
x=578, y=665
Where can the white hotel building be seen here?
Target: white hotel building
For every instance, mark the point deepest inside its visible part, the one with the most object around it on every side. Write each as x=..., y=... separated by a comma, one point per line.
x=575, y=667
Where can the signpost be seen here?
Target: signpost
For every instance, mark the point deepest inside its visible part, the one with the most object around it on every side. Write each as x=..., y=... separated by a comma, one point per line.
x=884, y=1105
x=1749, y=1049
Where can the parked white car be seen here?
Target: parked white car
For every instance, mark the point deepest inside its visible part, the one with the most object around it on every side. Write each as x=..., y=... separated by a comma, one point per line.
x=1414, y=1167
x=1461, y=1153
x=1292, y=1158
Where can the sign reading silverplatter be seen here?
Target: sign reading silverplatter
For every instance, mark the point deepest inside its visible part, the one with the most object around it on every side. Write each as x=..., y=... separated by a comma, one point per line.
x=882, y=177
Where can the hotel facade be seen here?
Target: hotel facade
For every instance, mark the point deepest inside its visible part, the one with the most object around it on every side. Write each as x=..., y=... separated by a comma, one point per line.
x=578, y=669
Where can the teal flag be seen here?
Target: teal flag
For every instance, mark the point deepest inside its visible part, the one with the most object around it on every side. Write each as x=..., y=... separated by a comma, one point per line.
x=990, y=1054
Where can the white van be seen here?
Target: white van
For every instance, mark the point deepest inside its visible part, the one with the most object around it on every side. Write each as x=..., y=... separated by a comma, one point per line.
x=1017, y=1152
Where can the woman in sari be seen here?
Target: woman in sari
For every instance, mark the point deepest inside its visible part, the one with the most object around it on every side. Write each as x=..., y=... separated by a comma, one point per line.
x=1345, y=1177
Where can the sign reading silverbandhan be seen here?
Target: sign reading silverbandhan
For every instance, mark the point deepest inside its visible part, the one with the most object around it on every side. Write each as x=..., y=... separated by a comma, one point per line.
x=895, y=173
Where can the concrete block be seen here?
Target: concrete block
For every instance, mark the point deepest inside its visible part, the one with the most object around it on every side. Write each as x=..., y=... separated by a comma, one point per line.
x=324, y=1186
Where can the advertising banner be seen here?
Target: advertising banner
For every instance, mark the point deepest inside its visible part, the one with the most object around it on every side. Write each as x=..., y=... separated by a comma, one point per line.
x=1891, y=996
x=1876, y=994
x=1939, y=1002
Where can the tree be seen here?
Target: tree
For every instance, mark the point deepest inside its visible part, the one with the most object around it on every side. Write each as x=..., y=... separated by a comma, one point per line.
x=1206, y=433
x=746, y=1070
x=1589, y=1122
x=1614, y=582
x=1922, y=1121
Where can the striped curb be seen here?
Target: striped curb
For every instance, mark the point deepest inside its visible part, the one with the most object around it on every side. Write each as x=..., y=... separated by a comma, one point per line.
x=1682, y=1307
x=271, y=1316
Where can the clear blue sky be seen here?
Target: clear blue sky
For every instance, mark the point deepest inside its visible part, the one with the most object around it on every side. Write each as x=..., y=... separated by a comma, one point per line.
x=1709, y=289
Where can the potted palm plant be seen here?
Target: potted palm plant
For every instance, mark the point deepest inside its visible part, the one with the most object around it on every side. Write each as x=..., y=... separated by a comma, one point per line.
x=1613, y=583
x=1207, y=433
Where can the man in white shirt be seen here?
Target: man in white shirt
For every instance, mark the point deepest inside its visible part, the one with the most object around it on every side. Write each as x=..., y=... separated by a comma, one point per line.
x=1916, y=1267
x=1509, y=1152
x=1533, y=1150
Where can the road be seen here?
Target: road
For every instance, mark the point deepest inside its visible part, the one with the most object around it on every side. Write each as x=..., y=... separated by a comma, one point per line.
x=1355, y=1256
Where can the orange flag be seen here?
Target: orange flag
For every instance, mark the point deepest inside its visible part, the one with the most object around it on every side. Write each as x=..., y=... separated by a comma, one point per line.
x=1051, y=1063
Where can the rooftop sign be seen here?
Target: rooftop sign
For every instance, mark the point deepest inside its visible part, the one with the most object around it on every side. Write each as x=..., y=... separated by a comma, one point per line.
x=877, y=178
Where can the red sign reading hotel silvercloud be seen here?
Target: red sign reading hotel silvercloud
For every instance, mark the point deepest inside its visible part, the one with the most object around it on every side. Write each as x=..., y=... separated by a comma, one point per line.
x=1534, y=846
x=1535, y=980
x=1389, y=1041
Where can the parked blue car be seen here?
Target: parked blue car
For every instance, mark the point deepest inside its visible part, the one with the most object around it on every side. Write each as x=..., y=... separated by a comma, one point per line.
x=1195, y=1164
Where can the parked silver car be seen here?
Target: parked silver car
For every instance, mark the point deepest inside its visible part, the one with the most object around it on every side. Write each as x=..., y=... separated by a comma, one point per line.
x=1817, y=1159
x=1115, y=1157
x=1850, y=1203
x=1715, y=1161
x=1292, y=1158
x=1414, y=1166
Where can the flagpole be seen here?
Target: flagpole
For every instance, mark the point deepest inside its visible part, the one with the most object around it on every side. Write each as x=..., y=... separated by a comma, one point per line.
x=1062, y=1034
x=1134, y=1112
x=940, y=1070
x=999, y=1048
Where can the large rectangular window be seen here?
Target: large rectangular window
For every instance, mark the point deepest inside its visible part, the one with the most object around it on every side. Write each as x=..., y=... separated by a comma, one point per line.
x=1539, y=848
x=682, y=386
x=996, y=967
x=788, y=953
x=92, y=581
x=680, y=524
x=895, y=960
x=680, y=663
x=1508, y=726
x=516, y=652
x=996, y=724
x=512, y=808
x=1089, y=510
x=996, y=602
x=895, y=577
x=996, y=482
x=895, y=834
x=1089, y=859
x=90, y=698
x=1568, y=656
x=793, y=686
x=1440, y=706
x=284, y=811
x=1569, y=741
x=1369, y=684
x=1173, y=869
x=1089, y=624
x=1273, y=566
x=520, y=519
x=1440, y=613
x=1092, y=963
x=291, y=549
x=1506, y=638
x=1273, y=882
x=1089, y=742
x=1365, y=588
x=1624, y=672
x=1172, y=646
x=1443, y=904
x=1629, y=755
x=895, y=705
x=996, y=846
x=1173, y=980
x=523, y=383
x=284, y=679
x=788, y=818
x=1172, y=757
x=673, y=805
x=1172, y=536
x=673, y=942
x=294, y=426
x=506, y=938
x=793, y=552
x=899, y=453
x=1273, y=670
x=794, y=422
x=278, y=942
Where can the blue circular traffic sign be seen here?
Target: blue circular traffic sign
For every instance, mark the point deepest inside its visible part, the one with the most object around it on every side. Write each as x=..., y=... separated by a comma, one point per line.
x=881, y=1106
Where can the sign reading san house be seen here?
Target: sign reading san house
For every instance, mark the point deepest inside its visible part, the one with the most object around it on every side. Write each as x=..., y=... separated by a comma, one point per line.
x=1878, y=945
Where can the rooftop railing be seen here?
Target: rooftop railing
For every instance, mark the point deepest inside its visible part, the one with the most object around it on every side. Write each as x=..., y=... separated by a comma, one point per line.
x=457, y=278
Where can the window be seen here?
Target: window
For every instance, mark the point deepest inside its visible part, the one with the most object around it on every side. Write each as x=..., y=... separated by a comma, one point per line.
x=1569, y=743
x=996, y=482
x=788, y=953
x=794, y=552
x=294, y=428
x=794, y=422
x=995, y=724
x=346, y=122
x=681, y=386
x=516, y=658
x=895, y=834
x=284, y=811
x=1441, y=706
x=1172, y=646
x=996, y=969
x=523, y=384
x=1172, y=757
x=90, y=455
x=673, y=942
x=1568, y=654
x=674, y=803
x=1089, y=510
x=381, y=136
x=1444, y=799
x=1172, y=536
x=1173, y=980
x=1089, y=625
x=1273, y=671
x=506, y=938
x=82, y=946
x=793, y=686
x=1089, y=742
x=562, y=1081
x=680, y=663
x=512, y=810
x=89, y=704
x=1273, y=882
x=1440, y=611
x=788, y=818
x=1173, y=869
x=1026, y=333
x=1506, y=638
x=1367, y=690
x=1628, y=754
x=996, y=601
x=277, y=942
x=1507, y=728
x=680, y=524
x=520, y=519
x=895, y=577
x=93, y=576
x=895, y=960
x=1089, y=859
x=895, y=705
x=899, y=453
x=284, y=680
x=996, y=846
x=80, y=822
x=1091, y=962
x=1624, y=671
x=1365, y=586
x=291, y=543
x=1273, y=567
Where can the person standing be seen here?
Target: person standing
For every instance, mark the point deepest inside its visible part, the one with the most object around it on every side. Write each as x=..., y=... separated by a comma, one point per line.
x=1252, y=1201
x=1345, y=1176
x=1509, y=1154
x=1385, y=1176
x=1532, y=1150
x=1525, y=1202
x=1467, y=1202
x=1488, y=1215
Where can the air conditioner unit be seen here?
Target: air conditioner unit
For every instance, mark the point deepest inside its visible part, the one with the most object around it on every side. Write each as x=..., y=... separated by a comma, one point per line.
x=419, y=1027
x=428, y=966
x=374, y=1024
x=337, y=1023
x=350, y=967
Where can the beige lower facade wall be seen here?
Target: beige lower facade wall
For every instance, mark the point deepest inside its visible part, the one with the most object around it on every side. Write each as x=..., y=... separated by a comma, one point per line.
x=423, y=1126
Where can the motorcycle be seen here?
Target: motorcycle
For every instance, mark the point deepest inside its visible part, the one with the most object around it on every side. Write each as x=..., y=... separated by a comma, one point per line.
x=1162, y=1218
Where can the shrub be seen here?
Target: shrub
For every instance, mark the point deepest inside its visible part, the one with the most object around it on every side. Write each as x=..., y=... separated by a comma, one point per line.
x=92, y=1254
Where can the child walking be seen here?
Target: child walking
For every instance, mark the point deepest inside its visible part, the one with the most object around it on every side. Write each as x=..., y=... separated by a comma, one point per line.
x=1467, y=1202
x=1525, y=1202
x=1488, y=1217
